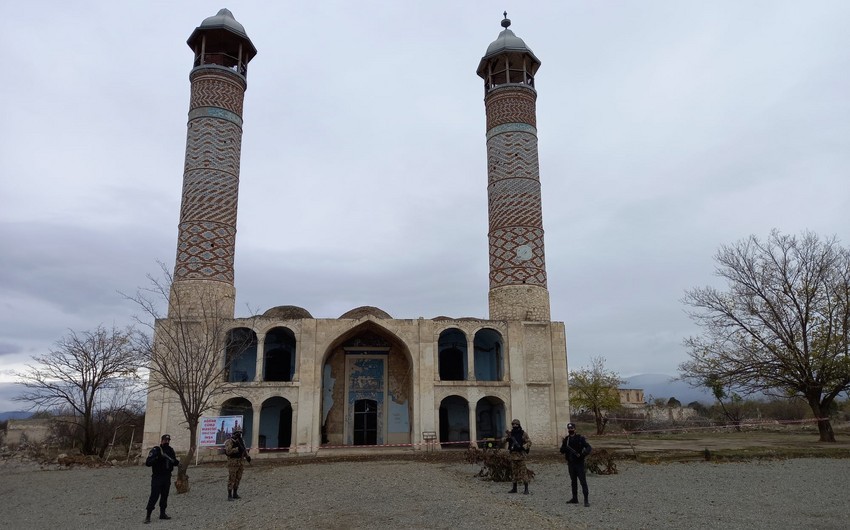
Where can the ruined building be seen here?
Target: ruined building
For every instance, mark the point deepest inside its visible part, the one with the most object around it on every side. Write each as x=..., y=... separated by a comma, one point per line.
x=310, y=384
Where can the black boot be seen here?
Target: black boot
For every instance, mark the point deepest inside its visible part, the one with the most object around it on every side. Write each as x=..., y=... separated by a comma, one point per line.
x=572, y=501
x=235, y=496
x=513, y=490
x=586, y=502
x=230, y=495
x=164, y=515
x=148, y=517
x=526, y=488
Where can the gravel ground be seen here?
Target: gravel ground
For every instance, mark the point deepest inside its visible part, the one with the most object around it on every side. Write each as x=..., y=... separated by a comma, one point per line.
x=403, y=493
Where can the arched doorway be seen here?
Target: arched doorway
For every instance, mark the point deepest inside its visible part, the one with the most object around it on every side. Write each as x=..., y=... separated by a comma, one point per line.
x=241, y=407
x=275, y=425
x=366, y=389
x=490, y=420
x=454, y=422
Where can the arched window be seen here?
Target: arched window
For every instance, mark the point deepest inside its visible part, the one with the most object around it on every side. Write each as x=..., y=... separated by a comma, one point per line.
x=489, y=360
x=240, y=356
x=452, y=356
x=279, y=361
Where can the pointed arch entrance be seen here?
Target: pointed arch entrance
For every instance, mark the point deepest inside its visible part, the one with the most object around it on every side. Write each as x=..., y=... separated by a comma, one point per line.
x=366, y=389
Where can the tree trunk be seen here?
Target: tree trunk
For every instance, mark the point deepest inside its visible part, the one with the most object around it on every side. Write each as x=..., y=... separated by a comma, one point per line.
x=600, y=424
x=821, y=412
x=182, y=482
x=88, y=436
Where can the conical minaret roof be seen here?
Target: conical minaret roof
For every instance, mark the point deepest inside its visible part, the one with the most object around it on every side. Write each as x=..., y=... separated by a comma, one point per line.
x=507, y=42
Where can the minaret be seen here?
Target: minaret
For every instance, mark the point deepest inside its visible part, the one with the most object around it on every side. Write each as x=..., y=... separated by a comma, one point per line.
x=517, y=262
x=207, y=232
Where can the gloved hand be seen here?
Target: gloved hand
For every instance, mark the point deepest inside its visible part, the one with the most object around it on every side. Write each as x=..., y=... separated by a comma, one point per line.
x=248, y=458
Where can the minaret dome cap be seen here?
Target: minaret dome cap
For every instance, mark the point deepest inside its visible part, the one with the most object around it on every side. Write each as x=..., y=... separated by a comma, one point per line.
x=507, y=42
x=223, y=20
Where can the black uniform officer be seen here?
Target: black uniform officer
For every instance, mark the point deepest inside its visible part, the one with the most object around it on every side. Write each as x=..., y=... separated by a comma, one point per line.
x=162, y=461
x=575, y=448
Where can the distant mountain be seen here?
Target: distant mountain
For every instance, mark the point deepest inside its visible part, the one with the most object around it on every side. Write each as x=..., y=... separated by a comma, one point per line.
x=663, y=386
x=15, y=415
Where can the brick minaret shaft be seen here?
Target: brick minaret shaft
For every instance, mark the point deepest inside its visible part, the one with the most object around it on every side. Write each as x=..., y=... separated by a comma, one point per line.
x=517, y=261
x=203, y=271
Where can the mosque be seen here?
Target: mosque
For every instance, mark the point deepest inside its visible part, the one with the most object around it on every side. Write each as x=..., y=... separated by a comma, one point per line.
x=307, y=385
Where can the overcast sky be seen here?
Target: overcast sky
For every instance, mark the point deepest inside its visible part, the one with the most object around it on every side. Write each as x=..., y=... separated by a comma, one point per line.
x=666, y=128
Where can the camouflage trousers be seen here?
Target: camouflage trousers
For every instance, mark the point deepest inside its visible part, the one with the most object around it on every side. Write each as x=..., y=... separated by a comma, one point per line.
x=519, y=473
x=234, y=472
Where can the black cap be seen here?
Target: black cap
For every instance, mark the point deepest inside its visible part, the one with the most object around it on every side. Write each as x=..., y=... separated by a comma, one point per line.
x=571, y=426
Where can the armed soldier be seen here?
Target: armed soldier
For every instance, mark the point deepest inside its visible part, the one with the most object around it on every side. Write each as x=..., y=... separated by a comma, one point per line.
x=575, y=449
x=236, y=453
x=519, y=444
x=162, y=460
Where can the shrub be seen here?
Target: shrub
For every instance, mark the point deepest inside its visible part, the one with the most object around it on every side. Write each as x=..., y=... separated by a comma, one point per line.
x=495, y=463
x=601, y=462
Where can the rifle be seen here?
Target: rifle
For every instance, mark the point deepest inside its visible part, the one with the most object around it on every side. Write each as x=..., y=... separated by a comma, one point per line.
x=571, y=450
x=243, y=449
x=164, y=456
x=513, y=446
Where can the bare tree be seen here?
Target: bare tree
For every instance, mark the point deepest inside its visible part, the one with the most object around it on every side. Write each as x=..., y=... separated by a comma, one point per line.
x=733, y=409
x=189, y=353
x=595, y=389
x=83, y=373
x=781, y=326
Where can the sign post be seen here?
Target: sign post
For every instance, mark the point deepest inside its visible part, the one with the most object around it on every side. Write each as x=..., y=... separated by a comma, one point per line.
x=429, y=437
x=213, y=431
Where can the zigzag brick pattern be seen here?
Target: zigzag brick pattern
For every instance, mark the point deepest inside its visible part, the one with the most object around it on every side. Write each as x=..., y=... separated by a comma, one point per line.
x=512, y=155
x=212, y=87
x=209, y=196
x=515, y=208
x=511, y=105
x=514, y=202
x=206, y=243
x=213, y=143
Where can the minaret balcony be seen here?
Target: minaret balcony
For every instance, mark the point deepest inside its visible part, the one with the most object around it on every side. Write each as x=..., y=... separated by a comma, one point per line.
x=222, y=60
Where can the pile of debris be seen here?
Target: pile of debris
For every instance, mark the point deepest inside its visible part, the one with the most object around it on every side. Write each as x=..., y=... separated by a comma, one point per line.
x=38, y=457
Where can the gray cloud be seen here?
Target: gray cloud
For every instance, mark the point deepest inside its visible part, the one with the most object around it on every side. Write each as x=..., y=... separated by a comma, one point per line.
x=665, y=130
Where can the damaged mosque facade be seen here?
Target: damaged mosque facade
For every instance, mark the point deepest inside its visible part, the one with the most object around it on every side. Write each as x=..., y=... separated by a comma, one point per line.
x=306, y=384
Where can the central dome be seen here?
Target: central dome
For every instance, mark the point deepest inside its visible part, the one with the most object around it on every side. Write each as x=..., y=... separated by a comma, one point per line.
x=364, y=311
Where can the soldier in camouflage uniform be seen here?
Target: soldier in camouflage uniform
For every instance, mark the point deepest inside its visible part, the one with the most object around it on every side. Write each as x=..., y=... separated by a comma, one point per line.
x=518, y=444
x=236, y=452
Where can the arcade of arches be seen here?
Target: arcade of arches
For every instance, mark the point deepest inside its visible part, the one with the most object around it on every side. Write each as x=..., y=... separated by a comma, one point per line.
x=366, y=386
